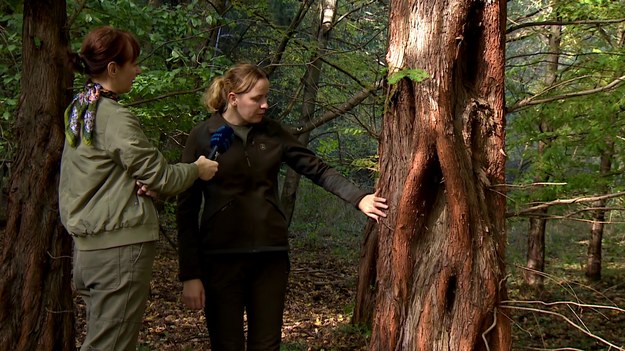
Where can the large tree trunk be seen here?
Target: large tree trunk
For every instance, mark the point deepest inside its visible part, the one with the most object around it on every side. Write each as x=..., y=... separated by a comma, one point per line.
x=36, y=306
x=441, y=269
x=311, y=87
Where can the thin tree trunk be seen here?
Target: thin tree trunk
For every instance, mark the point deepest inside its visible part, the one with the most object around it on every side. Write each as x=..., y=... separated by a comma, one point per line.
x=288, y=35
x=536, y=251
x=311, y=87
x=441, y=267
x=536, y=234
x=593, y=260
x=593, y=266
x=36, y=306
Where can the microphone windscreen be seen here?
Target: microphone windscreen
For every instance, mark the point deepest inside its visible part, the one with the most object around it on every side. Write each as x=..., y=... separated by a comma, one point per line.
x=222, y=138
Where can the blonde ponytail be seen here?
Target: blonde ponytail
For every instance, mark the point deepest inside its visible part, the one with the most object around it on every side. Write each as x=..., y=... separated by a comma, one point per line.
x=215, y=98
x=239, y=79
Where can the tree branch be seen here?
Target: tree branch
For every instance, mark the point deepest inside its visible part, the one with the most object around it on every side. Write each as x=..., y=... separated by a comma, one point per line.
x=565, y=303
x=529, y=101
x=560, y=23
x=299, y=17
x=148, y=55
x=81, y=6
x=575, y=325
x=345, y=72
x=576, y=200
x=164, y=96
x=356, y=9
x=334, y=112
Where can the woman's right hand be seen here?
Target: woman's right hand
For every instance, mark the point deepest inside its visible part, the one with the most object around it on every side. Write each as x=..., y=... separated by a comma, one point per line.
x=193, y=294
x=206, y=168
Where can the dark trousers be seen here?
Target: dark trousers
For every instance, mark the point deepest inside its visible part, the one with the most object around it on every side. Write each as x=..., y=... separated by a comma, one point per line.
x=250, y=283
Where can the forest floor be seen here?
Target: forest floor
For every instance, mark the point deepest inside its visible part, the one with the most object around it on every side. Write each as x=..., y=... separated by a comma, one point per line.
x=321, y=296
x=318, y=309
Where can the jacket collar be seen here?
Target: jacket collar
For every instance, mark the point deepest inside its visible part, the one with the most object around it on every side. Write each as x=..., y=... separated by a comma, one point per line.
x=216, y=120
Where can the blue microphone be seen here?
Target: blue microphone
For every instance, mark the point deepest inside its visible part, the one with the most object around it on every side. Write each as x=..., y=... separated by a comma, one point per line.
x=220, y=141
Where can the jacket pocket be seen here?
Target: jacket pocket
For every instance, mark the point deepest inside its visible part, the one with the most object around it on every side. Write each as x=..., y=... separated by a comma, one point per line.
x=220, y=226
x=277, y=208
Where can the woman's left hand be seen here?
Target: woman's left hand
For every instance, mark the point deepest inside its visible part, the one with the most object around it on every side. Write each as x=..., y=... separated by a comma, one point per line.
x=144, y=191
x=373, y=206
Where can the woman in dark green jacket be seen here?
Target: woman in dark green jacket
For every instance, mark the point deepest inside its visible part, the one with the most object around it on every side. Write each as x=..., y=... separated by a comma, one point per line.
x=236, y=258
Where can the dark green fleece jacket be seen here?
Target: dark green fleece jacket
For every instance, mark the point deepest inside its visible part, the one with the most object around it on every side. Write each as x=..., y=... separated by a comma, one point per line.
x=239, y=209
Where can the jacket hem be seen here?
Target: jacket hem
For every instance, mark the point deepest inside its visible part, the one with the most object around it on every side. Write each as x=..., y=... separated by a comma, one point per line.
x=118, y=237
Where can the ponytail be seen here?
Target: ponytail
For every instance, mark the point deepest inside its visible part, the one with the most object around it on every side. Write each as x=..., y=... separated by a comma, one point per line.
x=216, y=98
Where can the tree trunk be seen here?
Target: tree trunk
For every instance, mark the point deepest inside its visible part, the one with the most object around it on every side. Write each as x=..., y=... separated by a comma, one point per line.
x=36, y=306
x=536, y=235
x=441, y=268
x=367, y=277
x=593, y=266
x=311, y=87
x=536, y=251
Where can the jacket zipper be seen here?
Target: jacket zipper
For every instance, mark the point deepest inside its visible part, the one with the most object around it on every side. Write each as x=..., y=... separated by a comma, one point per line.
x=247, y=156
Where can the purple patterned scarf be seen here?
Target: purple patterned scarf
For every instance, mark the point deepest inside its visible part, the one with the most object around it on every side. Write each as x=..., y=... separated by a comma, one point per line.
x=80, y=114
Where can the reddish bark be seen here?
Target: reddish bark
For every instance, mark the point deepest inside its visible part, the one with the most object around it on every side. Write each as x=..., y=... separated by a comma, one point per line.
x=440, y=268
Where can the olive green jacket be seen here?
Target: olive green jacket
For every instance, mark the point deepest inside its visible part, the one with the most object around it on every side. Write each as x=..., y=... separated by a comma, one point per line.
x=98, y=199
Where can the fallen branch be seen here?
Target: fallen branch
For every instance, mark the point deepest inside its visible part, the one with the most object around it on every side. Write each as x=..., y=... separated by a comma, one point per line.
x=570, y=322
x=576, y=200
x=565, y=303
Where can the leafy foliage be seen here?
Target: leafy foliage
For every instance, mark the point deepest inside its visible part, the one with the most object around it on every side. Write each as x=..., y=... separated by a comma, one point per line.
x=185, y=44
x=415, y=75
x=578, y=130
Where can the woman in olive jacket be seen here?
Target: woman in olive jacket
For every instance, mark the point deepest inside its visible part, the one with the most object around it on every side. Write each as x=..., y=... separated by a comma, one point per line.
x=105, y=156
x=236, y=258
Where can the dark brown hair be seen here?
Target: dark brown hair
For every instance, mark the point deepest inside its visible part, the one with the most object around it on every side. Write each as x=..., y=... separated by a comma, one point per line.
x=104, y=45
x=239, y=79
